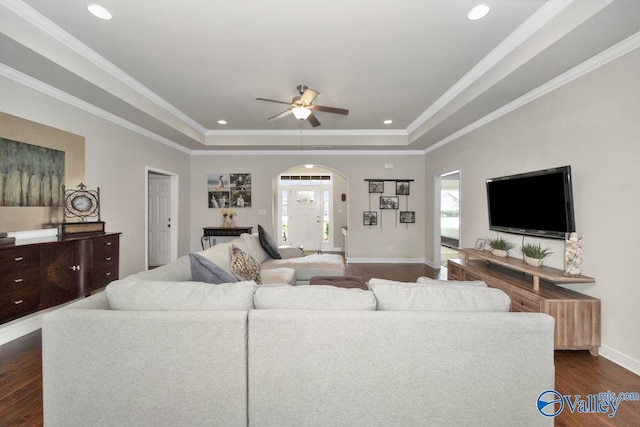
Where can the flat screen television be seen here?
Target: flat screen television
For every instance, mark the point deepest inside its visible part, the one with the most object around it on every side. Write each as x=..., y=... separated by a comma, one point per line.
x=538, y=203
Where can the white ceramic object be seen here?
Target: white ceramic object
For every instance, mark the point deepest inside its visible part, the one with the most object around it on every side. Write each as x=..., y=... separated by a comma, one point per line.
x=534, y=262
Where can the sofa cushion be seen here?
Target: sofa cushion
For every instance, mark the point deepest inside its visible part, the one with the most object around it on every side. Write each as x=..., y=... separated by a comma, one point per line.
x=278, y=276
x=268, y=244
x=203, y=270
x=422, y=297
x=311, y=265
x=244, y=266
x=430, y=281
x=132, y=294
x=320, y=297
x=253, y=247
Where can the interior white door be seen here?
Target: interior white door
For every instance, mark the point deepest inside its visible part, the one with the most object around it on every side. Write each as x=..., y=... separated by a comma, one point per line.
x=305, y=222
x=159, y=220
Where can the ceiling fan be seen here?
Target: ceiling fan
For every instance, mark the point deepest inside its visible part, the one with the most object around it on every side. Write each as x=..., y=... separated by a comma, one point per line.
x=302, y=106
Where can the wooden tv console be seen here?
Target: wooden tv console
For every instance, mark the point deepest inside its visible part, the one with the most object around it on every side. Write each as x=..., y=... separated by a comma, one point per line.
x=533, y=289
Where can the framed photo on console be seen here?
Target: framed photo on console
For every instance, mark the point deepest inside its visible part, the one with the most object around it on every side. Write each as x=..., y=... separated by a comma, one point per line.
x=407, y=217
x=370, y=218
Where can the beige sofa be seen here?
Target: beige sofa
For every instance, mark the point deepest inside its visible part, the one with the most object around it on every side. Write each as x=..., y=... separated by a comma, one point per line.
x=188, y=353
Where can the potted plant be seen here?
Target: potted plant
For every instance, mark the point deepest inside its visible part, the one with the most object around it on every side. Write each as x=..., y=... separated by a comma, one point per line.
x=500, y=246
x=534, y=253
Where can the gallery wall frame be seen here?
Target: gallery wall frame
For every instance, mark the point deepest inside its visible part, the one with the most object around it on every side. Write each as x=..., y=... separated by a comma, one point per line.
x=229, y=190
x=370, y=218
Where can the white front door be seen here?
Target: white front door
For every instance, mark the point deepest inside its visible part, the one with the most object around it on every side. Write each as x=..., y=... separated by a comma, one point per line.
x=305, y=222
x=159, y=220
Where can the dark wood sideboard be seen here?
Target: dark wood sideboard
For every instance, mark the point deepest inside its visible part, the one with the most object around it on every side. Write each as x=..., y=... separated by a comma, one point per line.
x=534, y=289
x=44, y=273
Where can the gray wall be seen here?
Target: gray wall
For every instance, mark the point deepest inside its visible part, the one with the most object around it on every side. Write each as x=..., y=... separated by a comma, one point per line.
x=593, y=125
x=115, y=160
x=389, y=241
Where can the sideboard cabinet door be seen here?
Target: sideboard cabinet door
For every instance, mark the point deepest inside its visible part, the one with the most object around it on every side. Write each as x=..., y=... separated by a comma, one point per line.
x=65, y=271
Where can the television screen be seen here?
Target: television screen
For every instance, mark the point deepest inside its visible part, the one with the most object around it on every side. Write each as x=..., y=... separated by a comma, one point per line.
x=536, y=203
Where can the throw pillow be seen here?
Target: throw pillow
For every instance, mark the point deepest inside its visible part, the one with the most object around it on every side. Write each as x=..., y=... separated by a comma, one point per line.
x=268, y=244
x=203, y=270
x=244, y=266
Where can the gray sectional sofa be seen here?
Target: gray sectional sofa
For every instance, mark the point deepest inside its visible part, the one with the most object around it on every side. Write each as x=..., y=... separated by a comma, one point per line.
x=158, y=349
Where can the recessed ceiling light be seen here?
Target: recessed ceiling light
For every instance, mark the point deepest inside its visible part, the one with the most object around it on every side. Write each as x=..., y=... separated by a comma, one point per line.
x=222, y=122
x=388, y=122
x=99, y=11
x=308, y=166
x=478, y=12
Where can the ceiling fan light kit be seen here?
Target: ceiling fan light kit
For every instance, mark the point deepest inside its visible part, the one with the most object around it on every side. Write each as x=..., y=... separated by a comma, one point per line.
x=301, y=113
x=302, y=106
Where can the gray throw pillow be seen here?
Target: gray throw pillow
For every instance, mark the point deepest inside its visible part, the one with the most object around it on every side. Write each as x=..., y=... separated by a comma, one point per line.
x=268, y=244
x=203, y=270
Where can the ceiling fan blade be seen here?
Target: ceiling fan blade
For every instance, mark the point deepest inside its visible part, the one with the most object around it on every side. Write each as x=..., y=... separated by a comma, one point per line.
x=313, y=120
x=308, y=96
x=330, y=110
x=273, y=100
x=280, y=115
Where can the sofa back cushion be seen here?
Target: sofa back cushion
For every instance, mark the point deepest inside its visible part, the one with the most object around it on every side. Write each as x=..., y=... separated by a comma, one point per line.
x=320, y=297
x=426, y=297
x=253, y=247
x=133, y=294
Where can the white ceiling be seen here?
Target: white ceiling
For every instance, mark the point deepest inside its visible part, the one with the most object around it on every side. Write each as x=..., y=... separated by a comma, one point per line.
x=176, y=67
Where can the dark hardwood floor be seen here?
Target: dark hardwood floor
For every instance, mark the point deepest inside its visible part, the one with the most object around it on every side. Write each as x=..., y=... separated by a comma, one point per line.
x=577, y=372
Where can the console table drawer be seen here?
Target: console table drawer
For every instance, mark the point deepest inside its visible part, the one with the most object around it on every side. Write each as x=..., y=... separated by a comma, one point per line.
x=523, y=301
x=15, y=280
x=19, y=303
x=104, y=275
x=105, y=245
x=18, y=258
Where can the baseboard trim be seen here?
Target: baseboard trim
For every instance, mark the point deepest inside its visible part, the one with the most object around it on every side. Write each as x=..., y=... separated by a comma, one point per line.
x=25, y=324
x=386, y=260
x=619, y=358
x=20, y=327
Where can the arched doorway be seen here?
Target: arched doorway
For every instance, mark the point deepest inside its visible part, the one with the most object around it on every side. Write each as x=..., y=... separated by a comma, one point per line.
x=311, y=208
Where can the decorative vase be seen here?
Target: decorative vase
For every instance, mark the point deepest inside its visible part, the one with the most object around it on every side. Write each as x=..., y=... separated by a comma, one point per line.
x=573, y=255
x=228, y=221
x=534, y=262
x=500, y=253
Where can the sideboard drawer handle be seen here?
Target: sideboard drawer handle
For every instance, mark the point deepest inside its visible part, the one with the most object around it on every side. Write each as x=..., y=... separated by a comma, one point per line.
x=18, y=280
x=20, y=301
x=19, y=258
x=108, y=243
x=107, y=274
x=108, y=258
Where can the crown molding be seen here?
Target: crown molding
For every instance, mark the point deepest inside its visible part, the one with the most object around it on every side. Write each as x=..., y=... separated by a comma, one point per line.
x=48, y=90
x=307, y=153
x=541, y=17
x=36, y=19
x=603, y=58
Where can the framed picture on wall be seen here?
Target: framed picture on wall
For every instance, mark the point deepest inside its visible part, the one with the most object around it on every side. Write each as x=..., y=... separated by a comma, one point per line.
x=376, y=186
x=389, y=202
x=370, y=218
x=402, y=188
x=407, y=217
